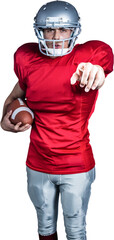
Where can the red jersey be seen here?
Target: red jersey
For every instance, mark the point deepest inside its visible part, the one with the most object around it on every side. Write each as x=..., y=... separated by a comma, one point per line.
x=59, y=141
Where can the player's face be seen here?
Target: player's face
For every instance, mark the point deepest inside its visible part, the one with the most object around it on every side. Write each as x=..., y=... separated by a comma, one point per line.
x=57, y=34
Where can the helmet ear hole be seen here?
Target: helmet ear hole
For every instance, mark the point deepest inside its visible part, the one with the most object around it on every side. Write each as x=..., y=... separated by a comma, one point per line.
x=57, y=14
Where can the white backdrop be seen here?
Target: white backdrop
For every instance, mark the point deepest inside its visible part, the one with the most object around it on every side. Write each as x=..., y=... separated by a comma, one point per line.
x=17, y=215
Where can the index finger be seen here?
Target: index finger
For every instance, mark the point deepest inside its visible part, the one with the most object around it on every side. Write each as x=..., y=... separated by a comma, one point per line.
x=78, y=74
x=85, y=75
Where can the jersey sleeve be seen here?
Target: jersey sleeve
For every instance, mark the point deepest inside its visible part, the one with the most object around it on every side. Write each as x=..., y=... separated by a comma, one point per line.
x=103, y=56
x=97, y=53
x=20, y=70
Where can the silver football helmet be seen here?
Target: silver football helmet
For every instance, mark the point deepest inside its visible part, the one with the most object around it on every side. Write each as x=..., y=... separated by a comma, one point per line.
x=57, y=14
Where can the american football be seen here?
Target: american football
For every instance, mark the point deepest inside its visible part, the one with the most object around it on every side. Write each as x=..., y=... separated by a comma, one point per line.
x=20, y=112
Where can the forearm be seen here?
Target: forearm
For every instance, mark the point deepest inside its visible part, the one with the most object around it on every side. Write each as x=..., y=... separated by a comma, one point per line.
x=6, y=124
x=6, y=104
x=16, y=92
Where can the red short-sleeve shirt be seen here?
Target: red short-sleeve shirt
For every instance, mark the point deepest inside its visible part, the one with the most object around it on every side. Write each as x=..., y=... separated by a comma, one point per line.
x=59, y=141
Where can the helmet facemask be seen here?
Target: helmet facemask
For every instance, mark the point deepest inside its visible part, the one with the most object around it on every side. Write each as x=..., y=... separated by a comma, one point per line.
x=44, y=49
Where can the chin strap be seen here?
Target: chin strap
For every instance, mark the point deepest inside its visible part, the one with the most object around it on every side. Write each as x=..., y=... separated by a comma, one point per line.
x=50, y=237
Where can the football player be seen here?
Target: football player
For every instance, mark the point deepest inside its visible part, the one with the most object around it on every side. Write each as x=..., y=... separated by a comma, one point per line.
x=60, y=81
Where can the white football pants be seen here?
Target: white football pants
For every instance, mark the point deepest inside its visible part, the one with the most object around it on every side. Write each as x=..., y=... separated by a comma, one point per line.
x=44, y=190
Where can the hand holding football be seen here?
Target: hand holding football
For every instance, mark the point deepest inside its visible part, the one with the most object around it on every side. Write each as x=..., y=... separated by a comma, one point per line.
x=20, y=112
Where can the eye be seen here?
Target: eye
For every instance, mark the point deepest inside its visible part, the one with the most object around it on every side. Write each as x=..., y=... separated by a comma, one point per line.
x=63, y=30
x=49, y=30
